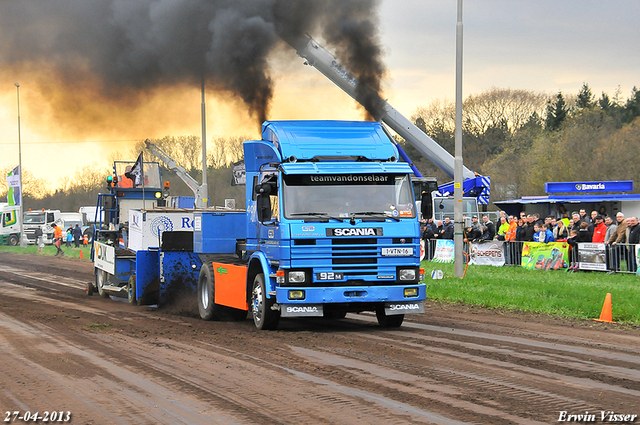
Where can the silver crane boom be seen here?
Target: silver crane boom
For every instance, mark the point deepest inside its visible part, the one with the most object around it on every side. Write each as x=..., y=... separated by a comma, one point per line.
x=181, y=172
x=318, y=57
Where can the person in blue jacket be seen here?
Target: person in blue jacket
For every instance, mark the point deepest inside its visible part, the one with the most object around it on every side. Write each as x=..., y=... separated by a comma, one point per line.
x=69, y=236
x=547, y=234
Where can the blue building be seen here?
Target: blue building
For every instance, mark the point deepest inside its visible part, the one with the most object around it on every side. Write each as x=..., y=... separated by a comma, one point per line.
x=566, y=197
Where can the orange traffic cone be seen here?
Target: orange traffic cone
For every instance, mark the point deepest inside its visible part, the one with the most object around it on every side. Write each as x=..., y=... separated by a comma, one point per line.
x=606, y=315
x=81, y=254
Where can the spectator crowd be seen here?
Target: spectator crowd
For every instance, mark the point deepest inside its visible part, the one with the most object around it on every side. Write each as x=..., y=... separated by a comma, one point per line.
x=617, y=234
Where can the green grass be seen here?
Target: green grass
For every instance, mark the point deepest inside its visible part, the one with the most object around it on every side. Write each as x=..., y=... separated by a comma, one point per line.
x=49, y=250
x=557, y=293
x=100, y=326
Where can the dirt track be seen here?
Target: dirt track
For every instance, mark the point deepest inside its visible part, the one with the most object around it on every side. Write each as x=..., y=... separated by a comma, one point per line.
x=109, y=362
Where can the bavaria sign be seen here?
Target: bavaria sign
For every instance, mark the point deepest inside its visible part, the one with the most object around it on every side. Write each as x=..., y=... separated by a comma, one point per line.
x=586, y=187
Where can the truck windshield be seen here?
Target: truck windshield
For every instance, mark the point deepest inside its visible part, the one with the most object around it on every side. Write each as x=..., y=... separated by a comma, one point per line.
x=347, y=195
x=34, y=218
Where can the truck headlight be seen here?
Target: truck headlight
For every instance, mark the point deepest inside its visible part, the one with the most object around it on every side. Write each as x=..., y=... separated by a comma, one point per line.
x=407, y=274
x=296, y=277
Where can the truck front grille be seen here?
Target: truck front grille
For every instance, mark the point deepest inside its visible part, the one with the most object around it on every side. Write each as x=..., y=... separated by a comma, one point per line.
x=357, y=258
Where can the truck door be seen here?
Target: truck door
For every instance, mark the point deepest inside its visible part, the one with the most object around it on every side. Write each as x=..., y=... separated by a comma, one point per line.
x=269, y=230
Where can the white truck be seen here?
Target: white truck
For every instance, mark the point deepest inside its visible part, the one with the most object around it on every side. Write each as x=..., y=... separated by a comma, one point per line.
x=44, y=219
x=71, y=219
x=10, y=230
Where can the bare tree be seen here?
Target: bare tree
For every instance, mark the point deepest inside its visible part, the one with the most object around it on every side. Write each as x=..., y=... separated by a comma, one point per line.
x=31, y=185
x=185, y=150
x=224, y=151
x=498, y=106
x=440, y=115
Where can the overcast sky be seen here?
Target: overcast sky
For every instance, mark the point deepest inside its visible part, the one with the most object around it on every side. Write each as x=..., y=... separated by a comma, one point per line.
x=542, y=45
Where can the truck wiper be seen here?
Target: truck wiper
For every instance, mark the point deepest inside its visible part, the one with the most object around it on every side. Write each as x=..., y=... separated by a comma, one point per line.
x=318, y=214
x=376, y=213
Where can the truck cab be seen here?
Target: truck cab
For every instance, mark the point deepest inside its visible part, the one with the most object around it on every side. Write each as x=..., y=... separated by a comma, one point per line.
x=44, y=219
x=10, y=230
x=332, y=212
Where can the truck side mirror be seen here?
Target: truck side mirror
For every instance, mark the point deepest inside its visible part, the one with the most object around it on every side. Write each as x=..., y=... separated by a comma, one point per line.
x=263, y=189
x=263, y=200
x=263, y=207
x=427, y=208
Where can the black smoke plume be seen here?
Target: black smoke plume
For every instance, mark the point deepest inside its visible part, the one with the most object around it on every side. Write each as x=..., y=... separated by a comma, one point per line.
x=129, y=46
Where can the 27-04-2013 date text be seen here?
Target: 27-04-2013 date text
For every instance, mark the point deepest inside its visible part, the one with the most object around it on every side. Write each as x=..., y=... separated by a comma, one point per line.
x=46, y=416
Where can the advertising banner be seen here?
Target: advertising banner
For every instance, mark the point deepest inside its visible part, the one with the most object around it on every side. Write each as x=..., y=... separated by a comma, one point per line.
x=146, y=228
x=591, y=256
x=105, y=257
x=585, y=187
x=487, y=253
x=13, y=183
x=444, y=251
x=545, y=256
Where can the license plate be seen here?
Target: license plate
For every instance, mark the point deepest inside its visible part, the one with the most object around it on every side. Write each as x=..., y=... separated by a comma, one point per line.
x=329, y=276
x=397, y=252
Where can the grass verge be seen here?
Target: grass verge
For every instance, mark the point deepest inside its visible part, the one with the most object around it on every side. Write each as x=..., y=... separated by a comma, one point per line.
x=558, y=293
x=49, y=250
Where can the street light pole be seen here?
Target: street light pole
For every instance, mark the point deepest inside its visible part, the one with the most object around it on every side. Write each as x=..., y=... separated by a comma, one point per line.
x=457, y=170
x=23, y=239
x=204, y=189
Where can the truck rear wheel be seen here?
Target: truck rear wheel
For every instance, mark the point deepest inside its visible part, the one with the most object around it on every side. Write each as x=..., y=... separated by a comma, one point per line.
x=206, y=294
x=263, y=316
x=101, y=279
x=389, y=321
x=14, y=240
x=131, y=289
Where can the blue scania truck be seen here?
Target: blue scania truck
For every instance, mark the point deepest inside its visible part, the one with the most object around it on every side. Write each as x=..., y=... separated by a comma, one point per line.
x=330, y=227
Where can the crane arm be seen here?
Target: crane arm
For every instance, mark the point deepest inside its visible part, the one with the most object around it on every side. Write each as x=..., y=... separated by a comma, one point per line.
x=172, y=165
x=317, y=56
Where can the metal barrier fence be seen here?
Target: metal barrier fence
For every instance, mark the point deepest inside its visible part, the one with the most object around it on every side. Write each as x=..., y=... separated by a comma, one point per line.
x=620, y=258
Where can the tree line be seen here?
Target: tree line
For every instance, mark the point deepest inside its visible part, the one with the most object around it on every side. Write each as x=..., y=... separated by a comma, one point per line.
x=521, y=138
x=83, y=187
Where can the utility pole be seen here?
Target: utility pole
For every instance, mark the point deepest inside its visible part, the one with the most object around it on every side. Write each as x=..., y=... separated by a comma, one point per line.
x=457, y=170
x=23, y=237
x=204, y=190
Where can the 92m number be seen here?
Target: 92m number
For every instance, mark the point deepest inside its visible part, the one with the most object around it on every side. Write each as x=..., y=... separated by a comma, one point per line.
x=329, y=276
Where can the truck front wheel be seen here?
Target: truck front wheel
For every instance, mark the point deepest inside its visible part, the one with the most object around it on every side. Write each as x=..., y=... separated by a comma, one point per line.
x=14, y=240
x=206, y=294
x=388, y=321
x=263, y=316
